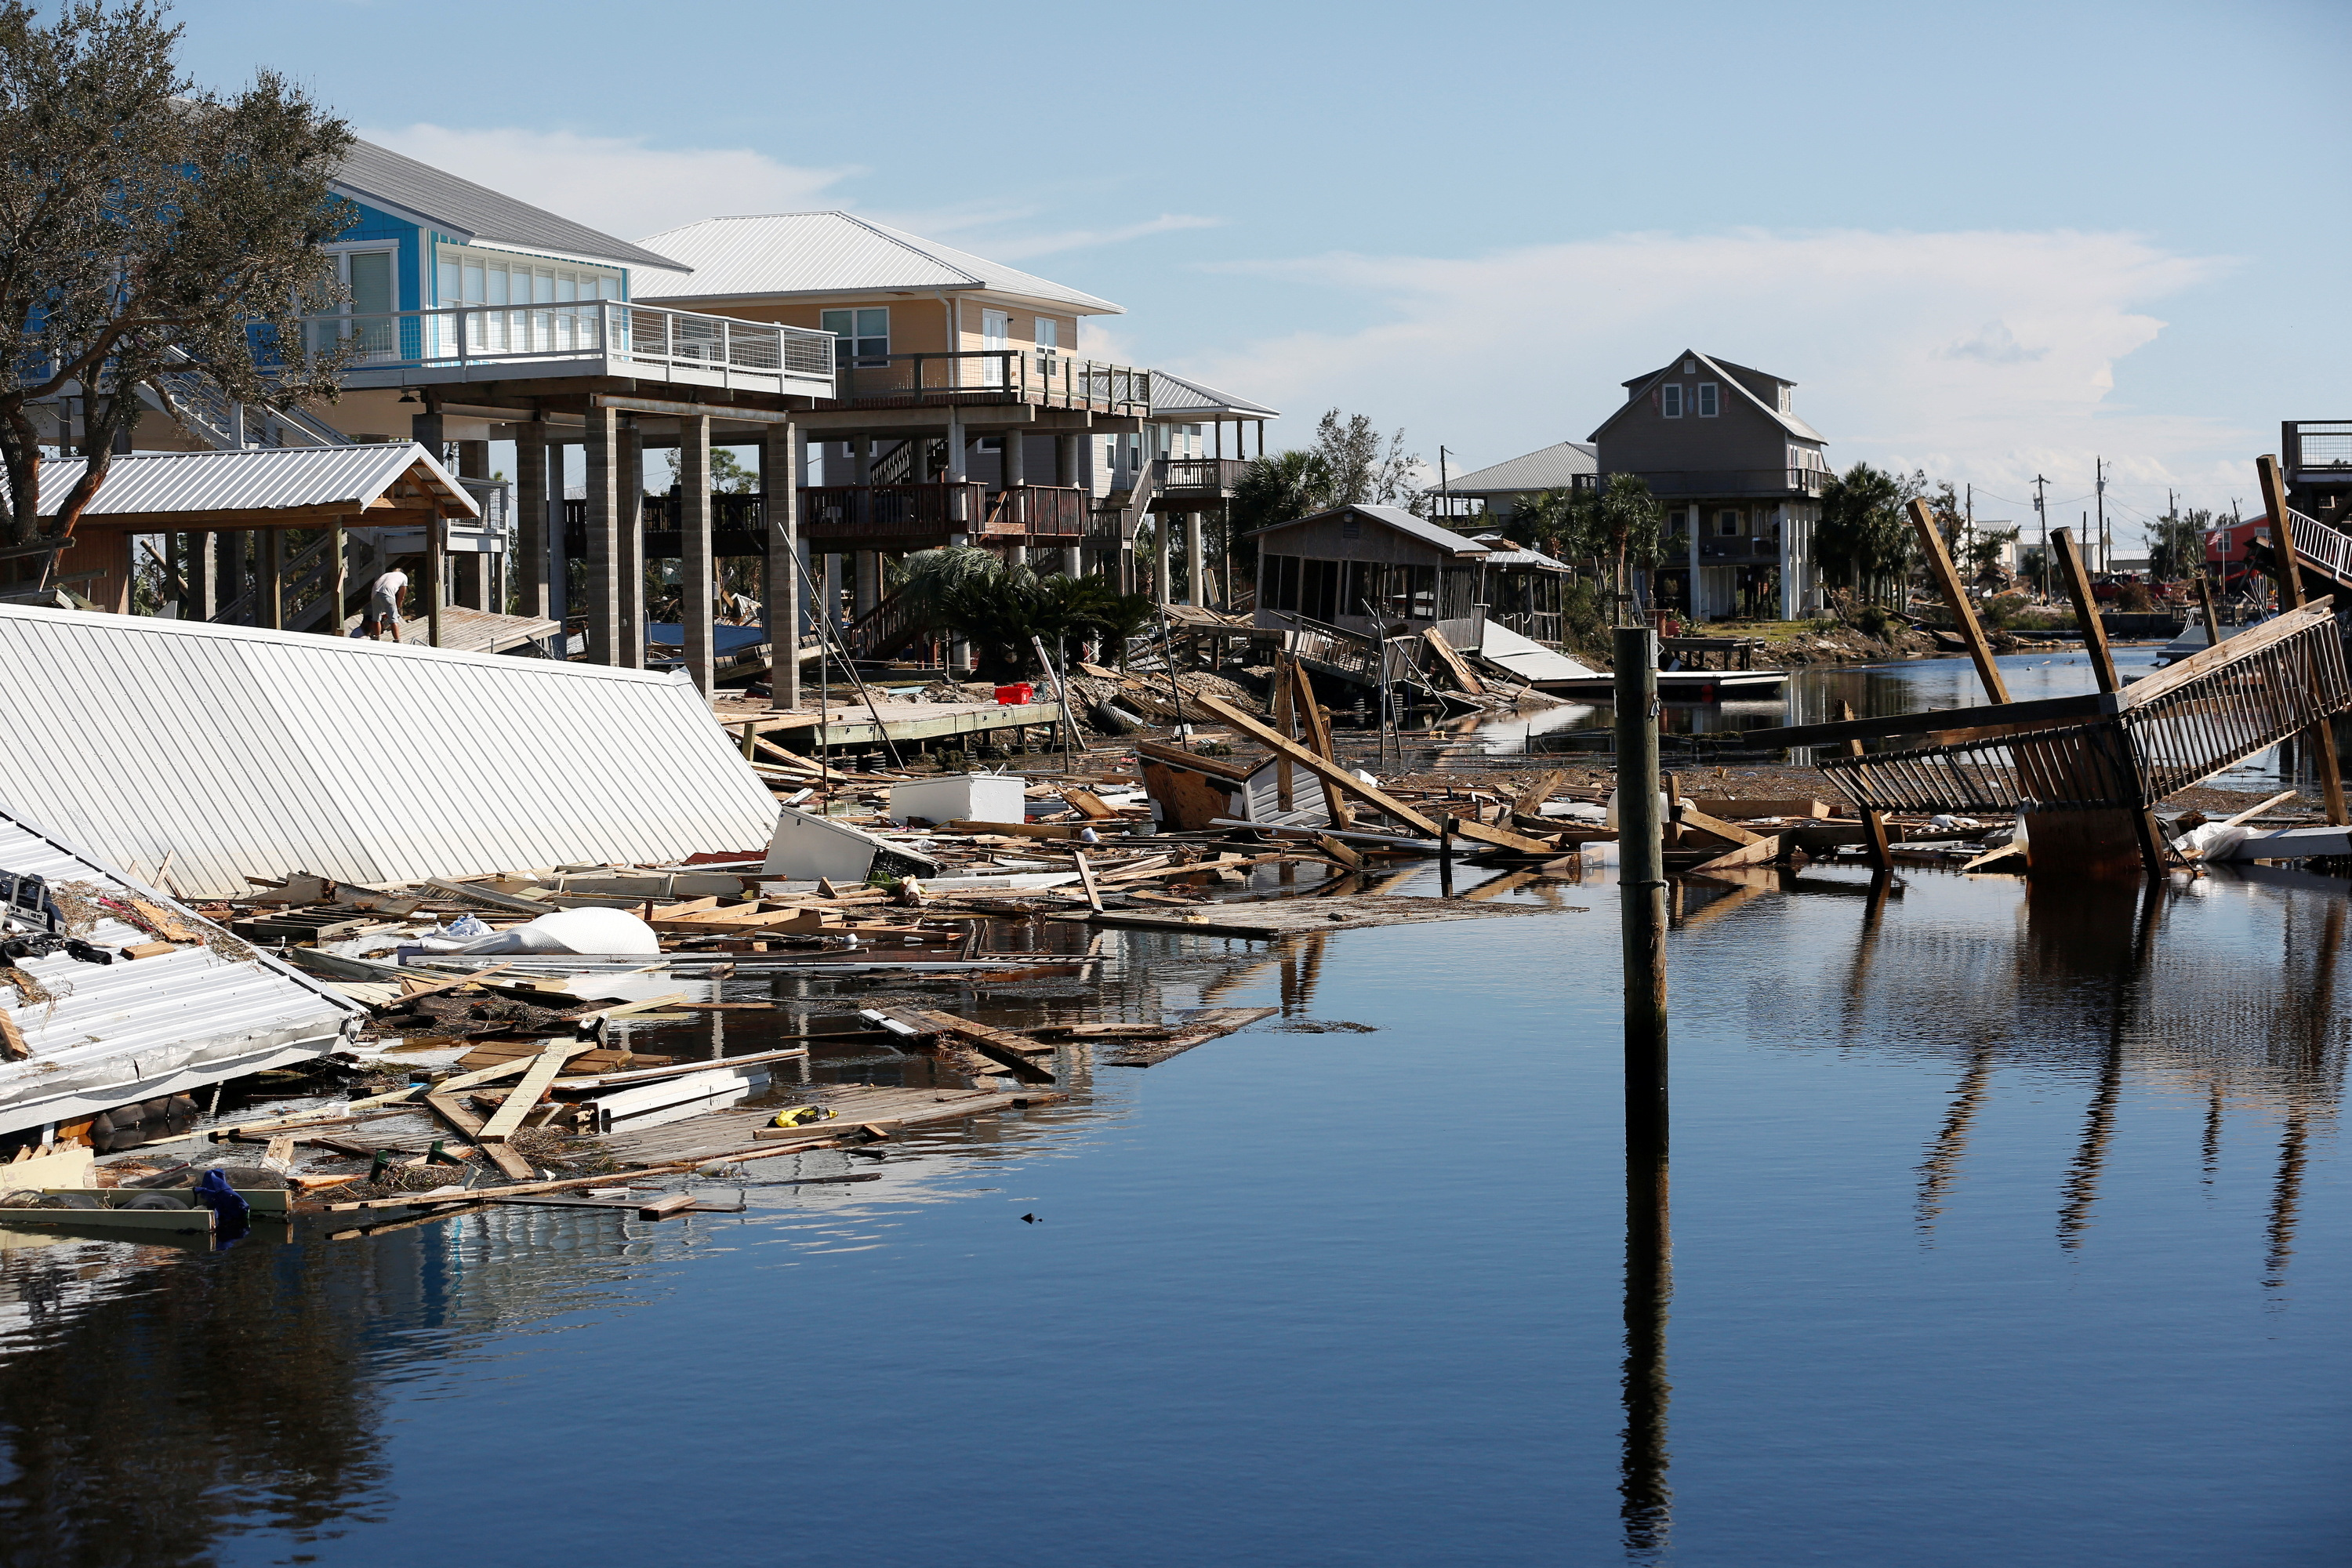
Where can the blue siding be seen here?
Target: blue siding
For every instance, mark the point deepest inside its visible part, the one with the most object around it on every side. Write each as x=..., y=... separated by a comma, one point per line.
x=413, y=285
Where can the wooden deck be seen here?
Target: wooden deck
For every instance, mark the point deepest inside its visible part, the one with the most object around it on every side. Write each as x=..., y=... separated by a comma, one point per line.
x=470, y=631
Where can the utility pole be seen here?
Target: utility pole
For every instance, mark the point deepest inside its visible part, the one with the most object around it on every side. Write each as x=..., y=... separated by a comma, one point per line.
x=1444, y=501
x=2041, y=510
x=2106, y=545
x=1968, y=528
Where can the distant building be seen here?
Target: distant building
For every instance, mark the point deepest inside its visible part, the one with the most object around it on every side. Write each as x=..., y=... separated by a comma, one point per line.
x=1494, y=493
x=1741, y=476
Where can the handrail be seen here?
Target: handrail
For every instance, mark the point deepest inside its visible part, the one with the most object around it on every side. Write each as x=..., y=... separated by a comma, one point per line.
x=464, y=335
x=2327, y=548
x=994, y=375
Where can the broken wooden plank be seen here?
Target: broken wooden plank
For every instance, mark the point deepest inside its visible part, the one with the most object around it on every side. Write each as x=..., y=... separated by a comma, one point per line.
x=1454, y=663
x=459, y=984
x=1196, y=1029
x=451, y=1111
x=535, y=1081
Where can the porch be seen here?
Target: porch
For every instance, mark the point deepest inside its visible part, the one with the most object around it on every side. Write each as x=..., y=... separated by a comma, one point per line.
x=989, y=376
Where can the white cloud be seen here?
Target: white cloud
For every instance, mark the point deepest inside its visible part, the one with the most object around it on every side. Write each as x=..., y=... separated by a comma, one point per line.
x=617, y=184
x=1016, y=248
x=1982, y=356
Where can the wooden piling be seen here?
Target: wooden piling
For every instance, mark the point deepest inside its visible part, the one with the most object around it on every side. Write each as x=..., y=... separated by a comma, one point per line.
x=2205, y=602
x=1956, y=599
x=1874, y=824
x=2103, y=669
x=1642, y=879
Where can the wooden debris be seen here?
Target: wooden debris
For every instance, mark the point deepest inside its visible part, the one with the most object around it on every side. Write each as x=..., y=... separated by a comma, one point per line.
x=1196, y=1029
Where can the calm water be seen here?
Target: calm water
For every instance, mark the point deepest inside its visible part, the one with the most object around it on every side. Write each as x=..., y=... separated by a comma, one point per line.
x=2009, y=1226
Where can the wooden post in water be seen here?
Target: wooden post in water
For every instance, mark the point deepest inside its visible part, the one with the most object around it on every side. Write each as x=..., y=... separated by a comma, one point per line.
x=2103, y=669
x=1956, y=599
x=2205, y=602
x=1873, y=824
x=1644, y=1509
x=2322, y=736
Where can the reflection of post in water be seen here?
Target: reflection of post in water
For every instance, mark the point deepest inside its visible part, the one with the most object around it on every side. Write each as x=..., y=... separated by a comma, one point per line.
x=2304, y=1074
x=1866, y=948
x=2213, y=1131
x=1943, y=1161
x=1646, y=1506
x=2090, y=1157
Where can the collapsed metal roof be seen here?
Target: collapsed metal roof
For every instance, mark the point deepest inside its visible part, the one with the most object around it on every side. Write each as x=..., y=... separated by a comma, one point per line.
x=255, y=480
x=243, y=751
x=139, y=1029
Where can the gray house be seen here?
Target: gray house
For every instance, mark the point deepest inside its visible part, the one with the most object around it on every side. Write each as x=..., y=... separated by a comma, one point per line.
x=1740, y=476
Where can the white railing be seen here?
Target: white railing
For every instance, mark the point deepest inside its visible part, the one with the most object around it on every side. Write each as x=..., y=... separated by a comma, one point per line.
x=2324, y=547
x=458, y=337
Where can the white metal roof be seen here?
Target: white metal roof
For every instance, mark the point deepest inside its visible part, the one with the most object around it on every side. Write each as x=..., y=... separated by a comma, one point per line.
x=243, y=751
x=1553, y=468
x=833, y=253
x=134, y=1030
x=254, y=479
x=468, y=211
x=1175, y=397
x=1505, y=553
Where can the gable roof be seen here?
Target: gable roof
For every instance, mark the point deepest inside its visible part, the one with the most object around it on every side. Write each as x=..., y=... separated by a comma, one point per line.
x=1390, y=516
x=382, y=177
x=1723, y=368
x=1173, y=395
x=1552, y=468
x=255, y=479
x=764, y=256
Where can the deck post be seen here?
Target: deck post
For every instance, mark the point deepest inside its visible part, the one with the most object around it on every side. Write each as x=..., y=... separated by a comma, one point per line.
x=271, y=610
x=780, y=483
x=633, y=543
x=530, y=570
x=602, y=454
x=1196, y=562
x=1956, y=599
x=1642, y=880
x=473, y=569
x=698, y=583
x=2320, y=736
x=1874, y=824
x=202, y=567
x=861, y=460
x=436, y=573
x=1159, y=552
x=2103, y=669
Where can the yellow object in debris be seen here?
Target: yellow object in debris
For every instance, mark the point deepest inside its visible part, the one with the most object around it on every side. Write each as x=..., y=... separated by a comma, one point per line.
x=800, y=1115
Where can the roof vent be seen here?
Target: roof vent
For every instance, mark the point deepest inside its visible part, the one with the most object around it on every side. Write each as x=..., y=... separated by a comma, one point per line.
x=1690, y=367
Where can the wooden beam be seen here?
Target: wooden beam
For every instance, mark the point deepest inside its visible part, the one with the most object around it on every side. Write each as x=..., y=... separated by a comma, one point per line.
x=1285, y=709
x=1332, y=773
x=1873, y=824
x=2205, y=603
x=2086, y=610
x=1955, y=599
x=526, y=1094
x=455, y=1113
x=1318, y=736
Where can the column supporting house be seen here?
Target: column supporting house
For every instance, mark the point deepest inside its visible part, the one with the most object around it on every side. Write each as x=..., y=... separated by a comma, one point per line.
x=270, y=611
x=200, y=574
x=1196, y=561
x=869, y=580
x=603, y=608
x=1012, y=474
x=1697, y=595
x=833, y=587
x=530, y=570
x=1159, y=554
x=782, y=454
x=228, y=558
x=861, y=460
x=697, y=583
x=959, y=526
x=472, y=571
x=632, y=568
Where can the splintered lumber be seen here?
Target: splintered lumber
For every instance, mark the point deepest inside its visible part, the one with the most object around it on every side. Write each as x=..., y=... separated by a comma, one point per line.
x=1455, y=665
x=1087, y=880
x=1754, y=852
x=1715, y=826
x=12, y=1038
x=1277, y=918
x=1195, y=1028
x=476, y=978
x=163, y=921
x=1088, y=803
x=1956, y=599
x=1319, y=740
x=449, y=1109
x=535, y=1081
x=999, y=1045
x=1338, y=852
x=1333, y=774
x=663, y=1207
x=1527, y=802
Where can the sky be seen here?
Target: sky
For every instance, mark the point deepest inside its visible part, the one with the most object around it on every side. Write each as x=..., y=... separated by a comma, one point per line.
x=1989, y=241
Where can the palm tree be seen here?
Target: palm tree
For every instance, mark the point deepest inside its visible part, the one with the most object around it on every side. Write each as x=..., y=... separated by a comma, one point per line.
x=1864, y=541
x=1619, y=522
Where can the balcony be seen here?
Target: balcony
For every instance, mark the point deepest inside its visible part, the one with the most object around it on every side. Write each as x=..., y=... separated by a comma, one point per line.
x=992, y=375
x=588, y=338
x=912, y=517
x=2318, y=449
x=1739, y=551
x=1725, y=483
x=1197, y=478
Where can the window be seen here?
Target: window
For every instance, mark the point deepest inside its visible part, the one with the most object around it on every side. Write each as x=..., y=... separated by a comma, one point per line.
x=1424, y=593
x=1706, y=400
x=1670, y=400
x=1049, y=341
x=1690, y=367
x=463, y=275
x=1784, y=399
x=1728, y=524
x=860, y=337
x=1364, y=588
x=1318, y=590
x=367, y=275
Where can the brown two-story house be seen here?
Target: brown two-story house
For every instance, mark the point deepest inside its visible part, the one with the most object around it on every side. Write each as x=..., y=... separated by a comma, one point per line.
x=1740, y=477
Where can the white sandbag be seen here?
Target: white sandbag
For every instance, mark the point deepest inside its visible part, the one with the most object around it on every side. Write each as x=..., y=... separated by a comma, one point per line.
x=612, y=931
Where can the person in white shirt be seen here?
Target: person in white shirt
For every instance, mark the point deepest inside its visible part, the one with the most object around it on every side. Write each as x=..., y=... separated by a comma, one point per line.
x=383, y=605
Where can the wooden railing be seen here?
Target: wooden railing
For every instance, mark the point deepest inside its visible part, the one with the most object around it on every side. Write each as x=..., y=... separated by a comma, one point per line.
x=1057, y=511
x=892, y=512
x=994, y=375
x=1198, y=475
x=2325, y=548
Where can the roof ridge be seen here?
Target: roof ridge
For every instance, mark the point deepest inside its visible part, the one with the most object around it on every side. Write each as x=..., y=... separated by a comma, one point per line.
x=914, y=243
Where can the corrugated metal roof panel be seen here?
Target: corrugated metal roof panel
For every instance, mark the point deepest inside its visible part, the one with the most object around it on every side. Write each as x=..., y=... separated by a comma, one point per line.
x=1393, y=517
x=832, y=253
x=1550, y=468
x=252, y=479
x=246, y=752
x=478, y=211
x=1173, y=397
x=135, y=1029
